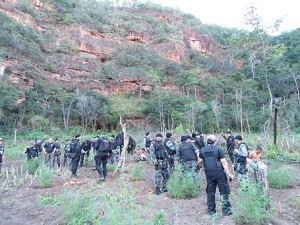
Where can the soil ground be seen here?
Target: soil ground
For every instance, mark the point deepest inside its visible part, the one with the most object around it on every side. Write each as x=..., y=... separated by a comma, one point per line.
x=19, y=205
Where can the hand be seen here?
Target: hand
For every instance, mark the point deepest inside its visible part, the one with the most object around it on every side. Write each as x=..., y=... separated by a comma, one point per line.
x=82, y=151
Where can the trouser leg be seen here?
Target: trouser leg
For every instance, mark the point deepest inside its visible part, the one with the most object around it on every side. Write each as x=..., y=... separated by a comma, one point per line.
x=104, y=163
x=81, y=159
x=224, y=191
x=211, y=192
x=74, y=167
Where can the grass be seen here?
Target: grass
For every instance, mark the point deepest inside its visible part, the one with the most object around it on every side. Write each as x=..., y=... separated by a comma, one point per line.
x=159, y=218
x=45, y=176
x=280, y=178
x=138, y=172
x=251, y=204
x=111, y=167
x=182, y=185
x=49, y=200
x=32, y=166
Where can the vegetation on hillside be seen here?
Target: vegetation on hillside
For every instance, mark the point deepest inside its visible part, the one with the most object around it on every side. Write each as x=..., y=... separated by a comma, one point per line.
x=250, y=75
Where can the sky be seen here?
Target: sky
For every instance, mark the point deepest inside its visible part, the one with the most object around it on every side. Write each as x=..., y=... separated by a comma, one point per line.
x=230, y=13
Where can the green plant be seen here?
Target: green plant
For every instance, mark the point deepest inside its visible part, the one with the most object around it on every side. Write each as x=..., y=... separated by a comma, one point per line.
x=296, y=201
x=45, y=176
x=252, y=204
x=182, y=185
x=280, y=178
x=138, y=172
x=79, y=208
x=159, y=218
x=32, y=166
x=49, y=200
x=111, y=167
x=272, y=153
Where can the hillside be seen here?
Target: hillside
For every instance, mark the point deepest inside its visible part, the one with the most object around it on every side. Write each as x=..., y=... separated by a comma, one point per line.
x=52, y=52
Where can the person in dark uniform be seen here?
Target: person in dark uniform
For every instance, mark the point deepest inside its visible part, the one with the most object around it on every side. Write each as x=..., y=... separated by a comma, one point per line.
x=49, y=149
x=67, y=155
x=171, y=149
x=196, y=141
x=160, y=157
x=76, y=151
x=147, y=142
x=241, y=154
x=216, y=169
x=86, y=146
x=31, y=151
x=229, y=144
x=188, y=153
x=57, y=153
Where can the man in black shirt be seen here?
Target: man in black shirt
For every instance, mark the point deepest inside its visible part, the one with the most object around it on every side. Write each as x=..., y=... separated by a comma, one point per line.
x=229, y=144
x=49, y=149
x=31, y=151
x=75, y=152
x=216, y=169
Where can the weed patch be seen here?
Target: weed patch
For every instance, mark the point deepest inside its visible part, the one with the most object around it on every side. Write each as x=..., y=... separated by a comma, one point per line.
x=49, y=200
x=45, y=176
x=280, y=178
x=138, y=172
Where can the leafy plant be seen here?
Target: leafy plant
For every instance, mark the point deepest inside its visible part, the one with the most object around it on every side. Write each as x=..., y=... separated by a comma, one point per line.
x=32, y=166
x=252, y=204
x=280, y=178
x=182, y=185
x=49, y=200
x=45, y=176
x=159, y=218
x=138, y=172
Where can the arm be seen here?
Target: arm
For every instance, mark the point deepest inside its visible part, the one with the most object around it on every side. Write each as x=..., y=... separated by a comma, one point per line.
x=152, y=153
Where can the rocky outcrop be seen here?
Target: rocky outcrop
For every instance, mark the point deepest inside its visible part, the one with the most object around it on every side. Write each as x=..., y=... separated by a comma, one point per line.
x=136, y=36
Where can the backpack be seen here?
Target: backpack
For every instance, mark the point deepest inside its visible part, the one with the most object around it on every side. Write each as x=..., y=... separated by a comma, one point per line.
x=104, y=145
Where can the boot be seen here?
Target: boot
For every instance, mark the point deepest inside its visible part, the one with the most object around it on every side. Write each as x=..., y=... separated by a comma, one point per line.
x=157, y=191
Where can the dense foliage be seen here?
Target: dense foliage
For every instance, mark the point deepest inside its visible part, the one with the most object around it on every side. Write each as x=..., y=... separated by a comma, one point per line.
x=249, y=74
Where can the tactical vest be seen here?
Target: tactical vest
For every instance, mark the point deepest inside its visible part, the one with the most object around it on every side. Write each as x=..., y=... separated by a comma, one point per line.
x=187, y=152
x=241, y=159
x=159, y=150
x=170, y=151
x=211, y=158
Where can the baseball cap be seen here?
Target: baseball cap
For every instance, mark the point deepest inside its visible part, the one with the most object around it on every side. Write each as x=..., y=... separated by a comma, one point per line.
x=238, y=137
x=211, y=137
x=159, y=135
x=77, y=135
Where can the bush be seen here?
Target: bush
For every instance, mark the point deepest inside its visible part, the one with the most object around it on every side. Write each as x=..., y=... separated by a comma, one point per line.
x=138, y=172
x=251, y=204
x=182, y=185
x=159, y=218
x=272, y=153
x=45, y=176
x=79, y=208
x=280, y=178
x=49, y=200
x=32, y=166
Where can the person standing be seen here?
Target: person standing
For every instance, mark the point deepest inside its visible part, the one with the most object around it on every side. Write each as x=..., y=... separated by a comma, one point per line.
x=241, y=154
x=67, y=155
x=86, y=146
x=102, y=153
x=229, y=144
x=160, y=157
x=49, y=149
x=1, y=154
x=188, y=153
x=76, y=151
x=57, y=153
x=147, y=142
x=216, y=169
x=171, y=149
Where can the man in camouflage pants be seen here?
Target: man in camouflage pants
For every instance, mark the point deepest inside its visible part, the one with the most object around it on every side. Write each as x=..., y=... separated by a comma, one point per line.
x=159, y=156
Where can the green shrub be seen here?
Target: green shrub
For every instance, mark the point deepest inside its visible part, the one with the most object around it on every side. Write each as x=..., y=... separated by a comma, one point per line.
x=280, y=178
x=32, y=166
x=182, y=185
x=79, y=208
x=45, y=176
x=49, y=200
x=159, y=218
x=138, y=172
x=296, y=201
x=252, y=204
x=272, y=153
x=111, y=167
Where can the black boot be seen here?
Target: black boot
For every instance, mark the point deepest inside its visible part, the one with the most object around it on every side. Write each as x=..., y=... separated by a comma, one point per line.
x=157, y=191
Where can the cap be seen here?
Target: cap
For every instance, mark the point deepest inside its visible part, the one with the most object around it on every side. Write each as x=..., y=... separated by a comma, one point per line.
x=77, y=135
x=1, y=139
x=183, y=138
x=147, y=133
x=159, y=135
x=211, y=137
x=228, y=132
x=238, y=137
x=189, y=137
x=168, y=135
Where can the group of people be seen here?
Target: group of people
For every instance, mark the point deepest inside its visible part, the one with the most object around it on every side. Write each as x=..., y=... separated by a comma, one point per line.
x=193, y=153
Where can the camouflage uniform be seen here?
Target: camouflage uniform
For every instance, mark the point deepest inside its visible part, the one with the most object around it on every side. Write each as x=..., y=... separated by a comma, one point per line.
x=160, y=156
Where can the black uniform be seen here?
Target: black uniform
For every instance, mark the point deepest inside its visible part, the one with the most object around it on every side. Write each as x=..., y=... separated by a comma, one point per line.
x=103, y=150
x=171, y=149
x=31, y=152
x=75, y=154
x=86, y=146
x=230, y=147
x=215, y=176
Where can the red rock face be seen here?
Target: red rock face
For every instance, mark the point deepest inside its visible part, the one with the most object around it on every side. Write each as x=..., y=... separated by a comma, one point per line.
x=136, y=36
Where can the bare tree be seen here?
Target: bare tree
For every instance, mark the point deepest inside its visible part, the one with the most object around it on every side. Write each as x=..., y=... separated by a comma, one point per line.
x=87, y=108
